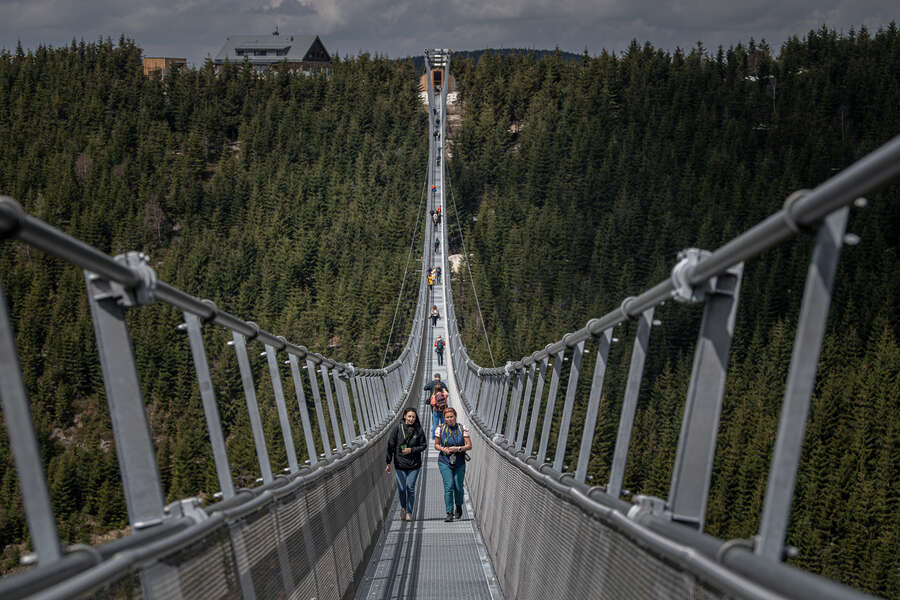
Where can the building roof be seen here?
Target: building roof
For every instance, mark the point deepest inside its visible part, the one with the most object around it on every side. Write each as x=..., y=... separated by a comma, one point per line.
x=271, y=49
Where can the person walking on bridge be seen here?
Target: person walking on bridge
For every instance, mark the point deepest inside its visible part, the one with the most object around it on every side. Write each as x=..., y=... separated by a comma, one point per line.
x=438, y=404
x=435, y=315
x=405, y=447
x=452, y=440
x=439, y=349
x=429, y=387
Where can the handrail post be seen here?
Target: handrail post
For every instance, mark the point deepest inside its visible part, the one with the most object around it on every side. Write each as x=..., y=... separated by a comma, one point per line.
x=382, y=387
x=590, y=417
x=210, y=409
x=332, y=413
x=523, y=418
x=551, y=405
x=131, y=429
x=502, y=410
x=259, y=438
x=304, y=411
x=801, y=378
x=512, y=422
x=344, y=407
x=571, y=388
x=692, y=472
x=478, y=384
x=281, y=406
x=535, y=411
x=362, y=406
x=317, y=399
x=629, y=405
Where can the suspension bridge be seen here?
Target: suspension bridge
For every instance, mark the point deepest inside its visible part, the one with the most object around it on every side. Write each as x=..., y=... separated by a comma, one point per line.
x=530, y=528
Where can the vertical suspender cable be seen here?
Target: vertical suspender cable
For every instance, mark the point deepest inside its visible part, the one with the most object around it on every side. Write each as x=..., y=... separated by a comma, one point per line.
x=412, y=245
x=466, y=260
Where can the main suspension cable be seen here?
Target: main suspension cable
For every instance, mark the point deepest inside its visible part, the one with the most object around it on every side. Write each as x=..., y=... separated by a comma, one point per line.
x=412, y=245
x=469, y=268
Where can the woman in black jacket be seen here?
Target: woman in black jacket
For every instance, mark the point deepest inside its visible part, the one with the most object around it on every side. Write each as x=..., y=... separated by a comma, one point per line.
x=405, y=446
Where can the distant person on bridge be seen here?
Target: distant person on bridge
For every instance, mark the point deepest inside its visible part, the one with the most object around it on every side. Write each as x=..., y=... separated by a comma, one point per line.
x=437, y=244
x=405, y=447
x=438, y=403
x=430, y=280
x=439, y=349
x=429, y=387
x=452, y=440
x=437, y=274
x=435, y=315
x=435, y=218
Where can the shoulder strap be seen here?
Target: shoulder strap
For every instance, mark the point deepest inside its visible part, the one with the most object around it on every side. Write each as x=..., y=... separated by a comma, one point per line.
x=410, y=435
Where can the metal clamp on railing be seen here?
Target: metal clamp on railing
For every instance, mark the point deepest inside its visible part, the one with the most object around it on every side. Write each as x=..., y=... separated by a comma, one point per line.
x=142, y=293
x=683, y=290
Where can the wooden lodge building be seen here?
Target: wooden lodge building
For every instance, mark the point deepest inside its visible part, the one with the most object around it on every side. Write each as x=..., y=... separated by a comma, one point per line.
x=298, y=53
x=162, y=65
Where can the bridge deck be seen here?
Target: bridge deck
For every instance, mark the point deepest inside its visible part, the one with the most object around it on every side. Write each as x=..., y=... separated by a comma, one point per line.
x=425, y=558
x=428, y=558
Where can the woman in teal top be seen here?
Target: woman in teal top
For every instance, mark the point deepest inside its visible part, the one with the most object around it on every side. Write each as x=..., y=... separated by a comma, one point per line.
x=452, y=440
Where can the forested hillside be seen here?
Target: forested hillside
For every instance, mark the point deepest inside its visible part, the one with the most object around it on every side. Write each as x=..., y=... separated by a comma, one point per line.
x=287, y=199
x=578, y=182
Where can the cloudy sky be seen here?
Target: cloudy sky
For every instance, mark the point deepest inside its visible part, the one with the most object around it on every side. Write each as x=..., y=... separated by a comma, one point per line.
x=398, y=28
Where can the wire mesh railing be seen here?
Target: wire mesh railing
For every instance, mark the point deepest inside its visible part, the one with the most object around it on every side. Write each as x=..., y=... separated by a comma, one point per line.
x=551, y=534
x=306, y=529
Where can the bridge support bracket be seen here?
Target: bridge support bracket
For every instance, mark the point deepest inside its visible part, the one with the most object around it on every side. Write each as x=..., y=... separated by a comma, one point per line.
x=648, y=505
x=142, y=293
x=684, y=291
x=188, y=507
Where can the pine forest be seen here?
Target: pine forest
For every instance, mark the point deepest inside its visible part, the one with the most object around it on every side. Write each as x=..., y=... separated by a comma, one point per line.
x=292, y=200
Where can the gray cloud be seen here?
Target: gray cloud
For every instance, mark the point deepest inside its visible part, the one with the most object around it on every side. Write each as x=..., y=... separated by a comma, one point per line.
x=396, y=28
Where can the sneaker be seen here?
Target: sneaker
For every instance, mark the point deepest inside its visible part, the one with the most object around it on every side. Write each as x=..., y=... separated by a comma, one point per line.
x=402, y=514
x=409, y=516
x=449, y=518
x=459, y=512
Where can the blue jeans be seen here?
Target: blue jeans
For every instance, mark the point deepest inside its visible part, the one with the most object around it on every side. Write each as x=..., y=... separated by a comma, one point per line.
x=437, y=418
x=406, y=487
x=453, y=482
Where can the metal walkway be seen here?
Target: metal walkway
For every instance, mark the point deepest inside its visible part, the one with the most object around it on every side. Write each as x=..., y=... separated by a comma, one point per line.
x=427, y=557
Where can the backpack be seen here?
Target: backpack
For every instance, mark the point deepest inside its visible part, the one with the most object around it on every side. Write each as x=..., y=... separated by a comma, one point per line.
x=439, y=402
x=439, y=345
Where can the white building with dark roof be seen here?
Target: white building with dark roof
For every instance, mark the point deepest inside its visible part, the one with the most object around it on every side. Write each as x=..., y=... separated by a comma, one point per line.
x=304, y=53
